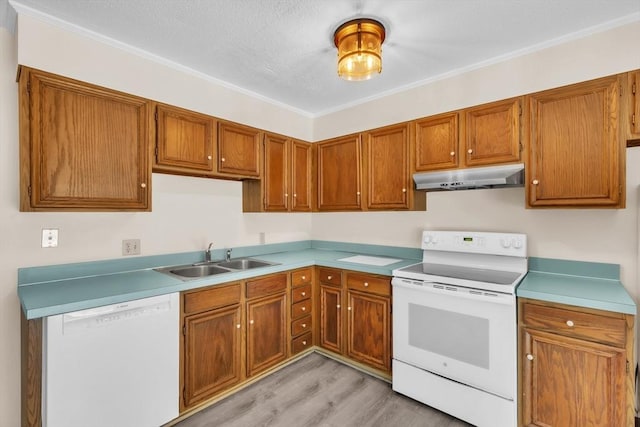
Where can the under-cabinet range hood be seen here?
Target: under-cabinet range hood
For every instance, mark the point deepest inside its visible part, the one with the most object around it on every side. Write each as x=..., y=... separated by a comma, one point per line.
x=471, y=178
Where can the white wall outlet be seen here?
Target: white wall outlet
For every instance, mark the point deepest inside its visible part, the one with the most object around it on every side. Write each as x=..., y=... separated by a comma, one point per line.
x=131, y=247
x=49, y=237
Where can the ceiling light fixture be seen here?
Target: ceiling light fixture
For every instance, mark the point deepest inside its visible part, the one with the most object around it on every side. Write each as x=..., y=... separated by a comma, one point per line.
x=359, y=44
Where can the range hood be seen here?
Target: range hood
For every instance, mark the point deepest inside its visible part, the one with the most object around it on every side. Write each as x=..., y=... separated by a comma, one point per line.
x=472, y=178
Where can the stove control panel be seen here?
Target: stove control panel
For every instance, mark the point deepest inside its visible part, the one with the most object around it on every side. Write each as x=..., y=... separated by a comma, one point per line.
x=510, y=244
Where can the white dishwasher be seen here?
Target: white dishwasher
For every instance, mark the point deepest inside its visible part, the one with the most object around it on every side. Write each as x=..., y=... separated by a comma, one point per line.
x=115, y=365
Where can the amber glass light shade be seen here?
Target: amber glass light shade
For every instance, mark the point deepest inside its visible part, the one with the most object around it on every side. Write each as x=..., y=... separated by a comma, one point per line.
x=359, y=44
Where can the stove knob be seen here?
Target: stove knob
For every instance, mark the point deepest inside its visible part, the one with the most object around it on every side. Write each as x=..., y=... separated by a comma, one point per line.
x=517, y=244
x=427, y=239
x=505, y=243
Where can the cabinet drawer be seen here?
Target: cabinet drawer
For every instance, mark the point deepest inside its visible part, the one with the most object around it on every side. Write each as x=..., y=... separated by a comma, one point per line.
x=573, y=323
x=301, y=325
x=301, y=277
x=330, y=276
x=301, y=343
x=301, y=293
x=266, y=285
x=300, y=309
x=207, y=299
x=367, y=283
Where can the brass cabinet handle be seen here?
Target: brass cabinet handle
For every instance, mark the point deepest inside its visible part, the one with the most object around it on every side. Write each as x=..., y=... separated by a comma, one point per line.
x=304, y=308
x=529, y=356
x=366, y=284
x=251, y=322
x=304, y=343
x=470, y=151
x=329, y=277
x=303, y=277
x=304, y=325
x=143, y=185
x=570, y=323
x=338, y=306
x=223, y=159
x=238, y=326
x=303, y=293
x=535, y=182
x=209, y=157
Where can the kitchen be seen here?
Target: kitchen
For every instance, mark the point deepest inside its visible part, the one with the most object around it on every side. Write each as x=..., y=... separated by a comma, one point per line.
x=211, y=210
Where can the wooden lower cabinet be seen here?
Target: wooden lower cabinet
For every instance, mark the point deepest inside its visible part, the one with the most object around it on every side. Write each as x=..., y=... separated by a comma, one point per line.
x=576, y=366
x=361, y=330
x=266, y=322
x=212, y=342
x=368, y=329
x=301, y=310
x=212, y=353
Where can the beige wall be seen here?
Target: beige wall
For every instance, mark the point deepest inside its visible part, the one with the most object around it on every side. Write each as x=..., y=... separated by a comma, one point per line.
x=189, y=212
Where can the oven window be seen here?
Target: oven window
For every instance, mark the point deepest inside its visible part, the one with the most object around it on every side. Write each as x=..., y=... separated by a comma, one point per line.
x=454, y=335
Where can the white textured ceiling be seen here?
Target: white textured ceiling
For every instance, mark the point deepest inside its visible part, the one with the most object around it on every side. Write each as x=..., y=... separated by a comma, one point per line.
x=283, y=49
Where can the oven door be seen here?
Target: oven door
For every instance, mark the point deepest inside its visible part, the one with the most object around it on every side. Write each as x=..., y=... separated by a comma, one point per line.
x=462, y=334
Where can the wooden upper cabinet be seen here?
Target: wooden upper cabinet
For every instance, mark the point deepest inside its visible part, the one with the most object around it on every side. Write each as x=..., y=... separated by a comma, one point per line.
x=634, y=104
x=301, y=176
x=238, y=150
x=436, y=142
x=286, y=182
x=82, y=147
x=339, y=174
x=276, y=173
x=492, y=133
x=386, y=159
x=184, y=141
x=576, y=156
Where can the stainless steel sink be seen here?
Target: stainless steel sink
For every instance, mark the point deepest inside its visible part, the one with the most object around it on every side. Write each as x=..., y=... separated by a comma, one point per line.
x=199, y=270
x=193, y=271
x=243, y=264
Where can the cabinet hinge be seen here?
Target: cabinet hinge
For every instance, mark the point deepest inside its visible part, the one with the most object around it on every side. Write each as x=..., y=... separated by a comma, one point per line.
x=29, y=190
x=29, y=87
x=633, y=119
x=627, y=366
x=156, y=151
x=184, y=330
x=156, y=116
x=633, y=88
x=184, y=395
x=520, y=109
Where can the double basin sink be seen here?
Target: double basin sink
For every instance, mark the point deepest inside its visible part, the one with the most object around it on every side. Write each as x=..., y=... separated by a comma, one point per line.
x=204, y=269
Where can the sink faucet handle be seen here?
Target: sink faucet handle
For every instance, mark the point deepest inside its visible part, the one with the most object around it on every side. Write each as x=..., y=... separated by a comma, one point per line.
x=229, y=254
x=209, y=247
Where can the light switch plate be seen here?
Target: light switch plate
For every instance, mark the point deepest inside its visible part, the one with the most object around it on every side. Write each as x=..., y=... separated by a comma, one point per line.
x=49, y=237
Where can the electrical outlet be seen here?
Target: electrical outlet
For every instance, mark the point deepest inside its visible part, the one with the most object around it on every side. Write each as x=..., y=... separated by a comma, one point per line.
x=49, y=237
x=131, y=247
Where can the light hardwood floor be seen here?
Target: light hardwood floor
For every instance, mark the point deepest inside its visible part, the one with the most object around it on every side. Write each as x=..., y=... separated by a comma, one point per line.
x=318, y=391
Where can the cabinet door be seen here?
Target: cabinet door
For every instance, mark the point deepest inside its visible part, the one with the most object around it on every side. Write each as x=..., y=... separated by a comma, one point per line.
x=276, y=171
x=387, y=168
x=570, y=382
x=634, y=106
x=575, y=149
x=211, y=353
x=301, y=178
x=436, y=142
x=368, y=326
x=266, y=333
x=331, y=318
x=184, y=141
x=82, y=147
x=339, y=174
x=239, y=150
x=492, y=133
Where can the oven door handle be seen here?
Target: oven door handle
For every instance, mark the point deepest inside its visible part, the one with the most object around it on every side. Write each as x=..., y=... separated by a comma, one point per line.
x=455, y=291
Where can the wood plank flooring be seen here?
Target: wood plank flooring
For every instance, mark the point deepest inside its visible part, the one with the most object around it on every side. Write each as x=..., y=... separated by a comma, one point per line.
x=318, y=391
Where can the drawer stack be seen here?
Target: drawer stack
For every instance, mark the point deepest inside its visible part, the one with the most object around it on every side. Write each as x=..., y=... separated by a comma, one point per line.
x=301, y=310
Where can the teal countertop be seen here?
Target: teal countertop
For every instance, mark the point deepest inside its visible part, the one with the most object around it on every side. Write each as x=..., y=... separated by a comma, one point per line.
x=583, y=284
x=50, y=290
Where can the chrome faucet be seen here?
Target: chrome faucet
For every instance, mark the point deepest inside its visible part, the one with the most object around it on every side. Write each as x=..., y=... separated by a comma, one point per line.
x=207, y=253
x=228, y=257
